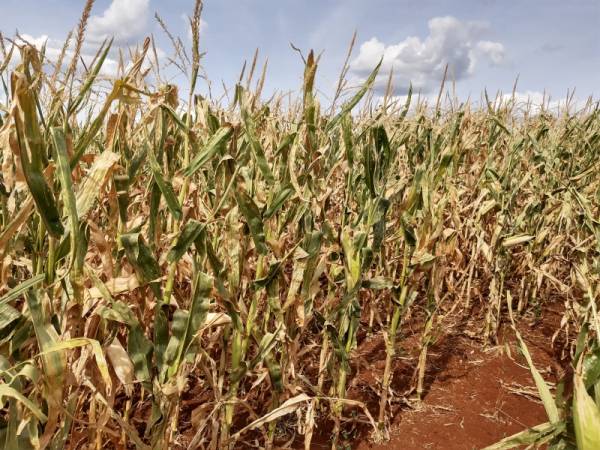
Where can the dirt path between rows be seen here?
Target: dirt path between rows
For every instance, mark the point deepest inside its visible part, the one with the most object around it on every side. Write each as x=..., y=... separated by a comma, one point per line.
x=479, y=398
x=476, y=395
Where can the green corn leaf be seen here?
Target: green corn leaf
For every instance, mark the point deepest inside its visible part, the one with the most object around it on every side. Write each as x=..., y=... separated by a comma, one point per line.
x=178, y=328
x=537, y=435
x=8, y=315
x=31, y=144
x=64, y=173
x=54, y=363
x=164, y=185
x=186, y=324
x=312, y=246
x=591, y=369
x=274, y=270
x=348, y=139
x=347, y=107
x=87, y=136
x=190, y=233
x=338, y=346
x=119, y=312
x=257, y=149
x=122, y=183
x=154, y=208
x=160, y=338
x=66, y=182
x=369, y=169
x=139, y=349
x=285, y=192
x=142, y=260
x=216, y=142
x=180, y=123
x=253, y=218
x=44, y=201
x=268, y=341
x=379, y=222
x=542, y=387
x=7, y=391
x=445, y=161
x=377, y=283
x=274, y=373
x=22, y=288
x=285, y=143
x=91, y=77
x=199, y=306
x=407, y=103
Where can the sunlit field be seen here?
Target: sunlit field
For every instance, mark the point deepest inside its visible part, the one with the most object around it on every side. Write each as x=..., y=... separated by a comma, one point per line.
x=285, y=271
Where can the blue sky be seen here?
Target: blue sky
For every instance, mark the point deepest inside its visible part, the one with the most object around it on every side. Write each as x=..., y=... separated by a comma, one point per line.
x=552, y=45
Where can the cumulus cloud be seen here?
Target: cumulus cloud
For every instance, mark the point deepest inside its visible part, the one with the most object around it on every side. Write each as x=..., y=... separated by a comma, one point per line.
x=125, y=20
x=493, y=50
x=421, y=62
x=535, y=102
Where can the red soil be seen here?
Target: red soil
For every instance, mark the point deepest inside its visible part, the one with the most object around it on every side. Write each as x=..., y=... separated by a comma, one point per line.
x=474, y=396
x=472, y=402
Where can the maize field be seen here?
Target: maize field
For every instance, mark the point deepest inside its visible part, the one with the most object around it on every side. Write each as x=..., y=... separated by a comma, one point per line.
x=180, y=272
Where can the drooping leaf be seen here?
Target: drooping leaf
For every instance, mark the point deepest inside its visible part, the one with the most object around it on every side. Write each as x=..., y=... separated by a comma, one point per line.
x=347, y=107
x=191, y=231
x=164, y=185
x=257, y=150
x=253, y=218
x=8, y=315
x=7, y=391
x=142, y=260
x=278, y=201
x=187, y=323
x=21, y=289
x=541, y=385
x=216, y=142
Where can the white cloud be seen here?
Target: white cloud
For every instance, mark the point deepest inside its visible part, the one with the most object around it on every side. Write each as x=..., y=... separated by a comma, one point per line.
x=531, y=102
x=422, y=61
x=493, y=50
x=125, y=20
x=535, y=101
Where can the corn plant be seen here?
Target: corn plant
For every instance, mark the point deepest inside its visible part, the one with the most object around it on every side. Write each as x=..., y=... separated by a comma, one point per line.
x=185, y=272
